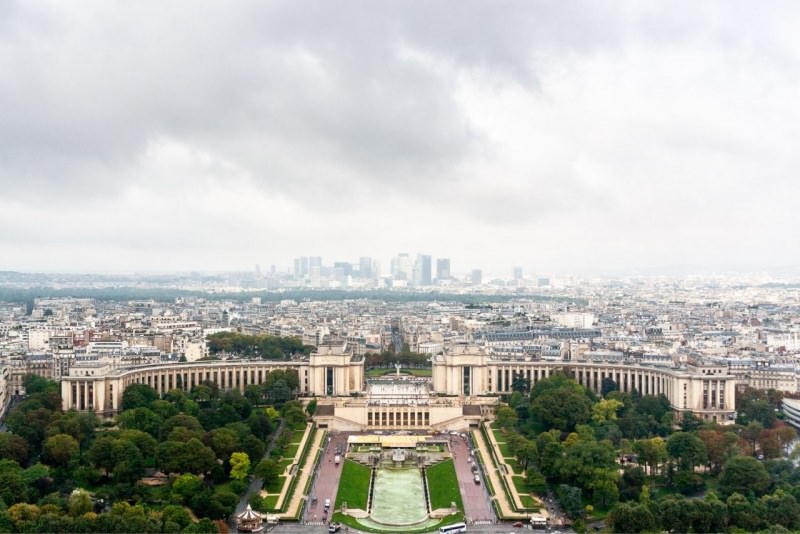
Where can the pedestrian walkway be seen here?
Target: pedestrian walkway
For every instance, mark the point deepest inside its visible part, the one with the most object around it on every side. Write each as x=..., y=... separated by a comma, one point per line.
x=304, y=472
x=508, y=510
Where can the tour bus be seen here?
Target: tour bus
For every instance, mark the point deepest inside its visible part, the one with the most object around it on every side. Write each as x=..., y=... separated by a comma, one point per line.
x=455, y=527
x=538, y=521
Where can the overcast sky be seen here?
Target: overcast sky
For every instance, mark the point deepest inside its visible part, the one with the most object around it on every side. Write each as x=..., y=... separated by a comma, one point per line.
x=559, y=136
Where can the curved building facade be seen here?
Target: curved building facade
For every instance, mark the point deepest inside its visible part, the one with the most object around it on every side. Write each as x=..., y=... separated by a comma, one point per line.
x=466, y=383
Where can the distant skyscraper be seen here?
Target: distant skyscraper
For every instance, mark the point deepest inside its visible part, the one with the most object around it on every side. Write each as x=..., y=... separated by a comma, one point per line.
x=365, y=267
x=346, y=267
x=517, y=273
x=477, y=277
x=315, y=261
x=422, y=270
x=300, y=267
x=443, y=269
x=401, y=267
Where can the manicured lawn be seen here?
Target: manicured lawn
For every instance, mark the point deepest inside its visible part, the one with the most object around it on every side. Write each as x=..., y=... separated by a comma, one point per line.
x=443, y=485
x=283, y=464
x=519, y=483
x=528, y=502
x=297, y=436
x=271, y=501
x=513, y=465
x=499, y=437
x=505, y=450
x=290, y=450
x=276, y=485
x=354, y=485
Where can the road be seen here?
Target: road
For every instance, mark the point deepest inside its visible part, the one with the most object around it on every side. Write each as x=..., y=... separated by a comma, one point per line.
x=327, y=481
x=476, y=501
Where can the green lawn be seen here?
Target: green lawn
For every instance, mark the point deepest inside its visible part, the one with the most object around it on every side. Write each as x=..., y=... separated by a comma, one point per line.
x=528, y=502
x=297, y=436
x=283, y=464
x=354, y=485
x=443, y=485
x=513, y=464
x=290, y=450
x=519, y=483
x=271, y=501
x=276, y=485
x=505, y=450
x=499, y=437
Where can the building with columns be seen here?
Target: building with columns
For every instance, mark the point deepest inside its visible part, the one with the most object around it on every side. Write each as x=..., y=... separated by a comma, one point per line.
x=466, y=383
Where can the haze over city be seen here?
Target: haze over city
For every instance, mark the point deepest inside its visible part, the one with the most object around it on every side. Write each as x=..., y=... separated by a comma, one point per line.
x=560, y=137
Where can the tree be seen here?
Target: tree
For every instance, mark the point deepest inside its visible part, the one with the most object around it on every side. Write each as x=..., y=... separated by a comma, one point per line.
x=60, y=449
x=138, y=396
x=506, y=417
x=295, y=417
x=607, y=385
x=142, y=419
x=570, y=499
x=130, y=465
x=651, y=452
x=786, y=435
x=562, y=408
x=781, y=508
x=143, y=441
x=535, y=481
x=582, y=459
x=769, y=443
x=267, y=470
x=13, y=448
x=742, y=513
x=181, y=420
x=604, y=485
x=687, y=449
x=80, y=502
x=720, y=446
x=743, y=474
x=240, y=465
x=197, y=457
x=311, y=407
x=101, y=454
x=606, y=410
x=225, y=442
x=186, y=485
x=629, y=517
x=750, y=433
x=690, y=422
x=177, y=515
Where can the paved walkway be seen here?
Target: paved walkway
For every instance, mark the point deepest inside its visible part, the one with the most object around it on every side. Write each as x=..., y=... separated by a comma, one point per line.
x=474, y=495
x=495, y=475
x=288, y=473
x=305, y=472
x=327, y=483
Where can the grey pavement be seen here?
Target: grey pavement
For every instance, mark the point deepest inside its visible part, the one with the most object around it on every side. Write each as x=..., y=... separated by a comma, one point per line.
x=327, y=478
x=476, y=500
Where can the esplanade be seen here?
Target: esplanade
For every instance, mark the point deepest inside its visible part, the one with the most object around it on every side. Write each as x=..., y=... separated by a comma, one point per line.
x=465, y=385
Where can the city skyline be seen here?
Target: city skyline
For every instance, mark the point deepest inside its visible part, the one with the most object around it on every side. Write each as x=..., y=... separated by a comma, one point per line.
x=568, y=138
